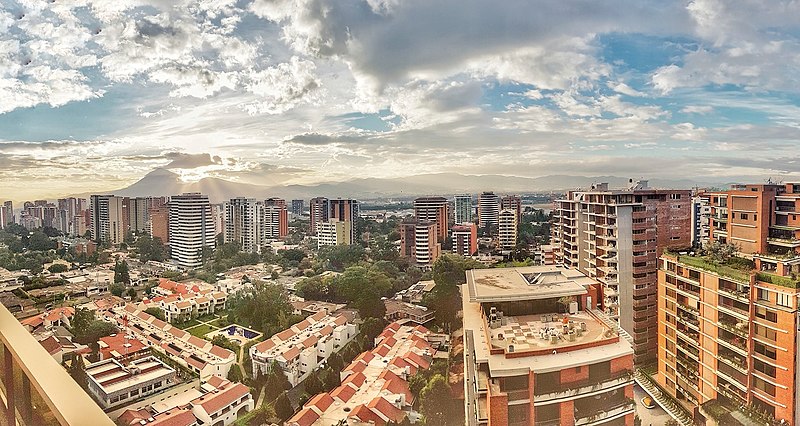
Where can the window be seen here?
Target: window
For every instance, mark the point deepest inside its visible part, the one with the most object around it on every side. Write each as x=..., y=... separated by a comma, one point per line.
x=765, y=350
x=763, y=294
x=765, y=368
x=766, y=314
x=674, y=196
x=765, y=332
x=768, y=388
x=783, y=299
x=744, y=216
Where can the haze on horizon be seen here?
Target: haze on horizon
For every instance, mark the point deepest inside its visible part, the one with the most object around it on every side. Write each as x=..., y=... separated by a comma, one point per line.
x=94, y=95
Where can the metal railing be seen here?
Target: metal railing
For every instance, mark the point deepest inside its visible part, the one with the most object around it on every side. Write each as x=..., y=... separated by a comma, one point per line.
x=35, y=389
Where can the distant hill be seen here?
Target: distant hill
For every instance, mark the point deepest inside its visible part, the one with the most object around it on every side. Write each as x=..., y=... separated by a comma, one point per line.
x=165, y=182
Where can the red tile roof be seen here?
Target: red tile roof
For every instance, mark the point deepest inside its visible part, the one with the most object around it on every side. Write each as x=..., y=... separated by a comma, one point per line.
x=366, y=415
x=175, y=417
x=265, y=345
x=386, y=408
x=291, y=354
x=220, y=352
x=214, y=402
x=321, y=401
x=340, y=320
x=51, y=345
x=304, y=417
x=285, y=334
x=343, y=393
x=318, y=316
x=356, y=379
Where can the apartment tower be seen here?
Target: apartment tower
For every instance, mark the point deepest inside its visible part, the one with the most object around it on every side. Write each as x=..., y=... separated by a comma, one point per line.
x=243, y=223
x=465, y=239
x=433, y=210
x=513, y=202
x=318, y=212
x=191, y=229
x=108, y=223
x=462, y=209
x=507, y=229
x=488, y=210
x=536, y=352
x=616, y=237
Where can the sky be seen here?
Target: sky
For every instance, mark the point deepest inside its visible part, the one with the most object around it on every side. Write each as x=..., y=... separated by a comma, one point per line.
x=94, y=95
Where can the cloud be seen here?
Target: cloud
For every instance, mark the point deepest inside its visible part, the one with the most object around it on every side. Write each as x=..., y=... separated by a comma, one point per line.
x=697, y=109
x=191, y=161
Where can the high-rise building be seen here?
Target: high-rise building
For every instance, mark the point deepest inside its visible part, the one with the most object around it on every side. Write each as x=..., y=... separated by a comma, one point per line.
x=761, y=220
x=107, y=218
x=616, y=237
x=243, y=223
x=318, y=211
x=465, y=239
x=488, y=210
x=536, y=352
x=419, y=241
x=139, y=211
x=297, y=207
x=462, y=208
x=701, y=220
x=433, y=210
x=513, y=202
x=728, y=335
x=191, y=229
x=344, y=210
x=334, y=232
x=507, y=229
x=158, y=224
x=6, y=214
x=274, y=222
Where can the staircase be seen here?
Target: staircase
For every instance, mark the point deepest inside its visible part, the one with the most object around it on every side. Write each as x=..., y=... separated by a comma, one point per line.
x=665, y=401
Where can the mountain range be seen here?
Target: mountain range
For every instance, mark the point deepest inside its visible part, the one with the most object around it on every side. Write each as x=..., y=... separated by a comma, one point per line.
x=165, y=182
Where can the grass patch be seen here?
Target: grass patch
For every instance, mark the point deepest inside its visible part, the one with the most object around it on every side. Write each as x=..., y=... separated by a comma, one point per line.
x=708, y=265
x=787, y=282
x=201, y=330
x=186, y=324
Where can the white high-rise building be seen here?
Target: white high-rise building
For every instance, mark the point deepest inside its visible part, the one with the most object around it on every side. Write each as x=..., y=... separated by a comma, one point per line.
x=271, y=222
x=191, y=228
x=108, y=218
x=488, y=209
x=462, y=209
x=242, y=223
x=507, y=229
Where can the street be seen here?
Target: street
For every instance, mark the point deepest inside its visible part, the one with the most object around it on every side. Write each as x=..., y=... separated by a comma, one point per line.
x=649, y=416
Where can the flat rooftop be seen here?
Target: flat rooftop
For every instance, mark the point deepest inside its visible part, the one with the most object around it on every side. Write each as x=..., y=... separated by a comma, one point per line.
x=526, y=283
x=535, y=332
x=111, y=376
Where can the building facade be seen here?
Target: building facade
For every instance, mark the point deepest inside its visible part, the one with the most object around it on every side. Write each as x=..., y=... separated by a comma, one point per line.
x=243, y=223
x=433, y=210
x=728, y=335
x=297, y=207
x=462, y=208
x=108, y=218
x=191, y=229
x=513, y=202
x=536, y=352
x=334, y=232
x=465, y=239
x=616, y=237
x=318, y=211
x=507, y=229
x=488, y=210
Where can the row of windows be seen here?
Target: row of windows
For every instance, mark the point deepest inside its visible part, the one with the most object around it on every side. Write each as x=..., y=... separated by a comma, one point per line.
x=781, y=299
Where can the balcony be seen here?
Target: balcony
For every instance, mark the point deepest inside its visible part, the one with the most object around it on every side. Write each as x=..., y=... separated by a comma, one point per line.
x=784, y=242
x=740, y=329
x=35, y=389
x=568, y=390
x=617, y=411
x=740, y=295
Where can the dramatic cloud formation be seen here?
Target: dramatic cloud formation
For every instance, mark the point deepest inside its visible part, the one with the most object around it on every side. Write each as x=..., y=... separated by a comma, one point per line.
x=93, y=95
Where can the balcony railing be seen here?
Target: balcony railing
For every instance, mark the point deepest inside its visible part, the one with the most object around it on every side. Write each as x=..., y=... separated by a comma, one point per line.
x=601, y=417
x=546, y=393
x=35, y=389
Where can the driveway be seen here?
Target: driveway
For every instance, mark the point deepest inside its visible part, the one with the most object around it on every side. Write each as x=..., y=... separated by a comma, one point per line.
x=650, y=416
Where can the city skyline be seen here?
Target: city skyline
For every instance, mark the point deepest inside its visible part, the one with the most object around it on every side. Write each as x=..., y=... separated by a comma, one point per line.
x=297, y=92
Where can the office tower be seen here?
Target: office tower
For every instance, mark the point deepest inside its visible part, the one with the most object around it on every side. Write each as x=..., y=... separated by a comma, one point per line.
x=107, y=221
x=762, y=221
x=419, y=241
x=243, y=223
x=297, y=207
x=434, y=210
x=488, y=210
x=158, y=224
x=465, y=239
x=537, y=353
x=318, y=211
x=513, y=202
x=701, y=220
x=462, y=207
x=507, y=229
x=191, y=229
x=334, y=232
x=729, y=335
x=616, y=236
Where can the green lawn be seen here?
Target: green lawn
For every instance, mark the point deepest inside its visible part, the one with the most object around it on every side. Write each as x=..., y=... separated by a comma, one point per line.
x=201, y=330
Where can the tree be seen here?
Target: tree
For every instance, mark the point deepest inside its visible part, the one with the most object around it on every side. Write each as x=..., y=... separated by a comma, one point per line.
x=372, y=327
x=313, y=384
x=117, y=289
x=150, y=248
x=156, y=312
x=292, y=255
x=77, y=370
x=341, y=256
x=283, y=408
x=363, y=289
x=58, y=268
x=132, y=293
x=436, y=401
x=235, y=374
x=264, y=307
x=721, y=252
x=39, y=241
x=121, y=273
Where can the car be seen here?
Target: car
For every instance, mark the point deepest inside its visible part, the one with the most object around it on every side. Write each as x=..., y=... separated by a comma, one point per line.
x=648, y=402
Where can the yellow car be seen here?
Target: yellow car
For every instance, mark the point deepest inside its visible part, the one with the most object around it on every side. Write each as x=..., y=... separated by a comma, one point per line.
x=648, y=402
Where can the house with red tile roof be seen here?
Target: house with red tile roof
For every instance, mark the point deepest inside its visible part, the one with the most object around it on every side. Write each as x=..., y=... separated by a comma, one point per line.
x=374, y=387
x=301, y=348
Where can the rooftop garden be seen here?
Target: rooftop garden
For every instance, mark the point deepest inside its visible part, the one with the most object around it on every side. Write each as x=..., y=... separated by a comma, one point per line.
x=722, y=259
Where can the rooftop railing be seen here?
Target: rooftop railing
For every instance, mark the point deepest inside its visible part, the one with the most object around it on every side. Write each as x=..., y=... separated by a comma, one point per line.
x=35, y=389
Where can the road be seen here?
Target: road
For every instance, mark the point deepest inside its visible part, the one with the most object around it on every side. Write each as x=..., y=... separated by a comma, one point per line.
x=652, y=416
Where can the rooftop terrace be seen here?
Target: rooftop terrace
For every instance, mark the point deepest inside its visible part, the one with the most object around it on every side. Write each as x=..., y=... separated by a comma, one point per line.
x=526, y=283
x=548, y=332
